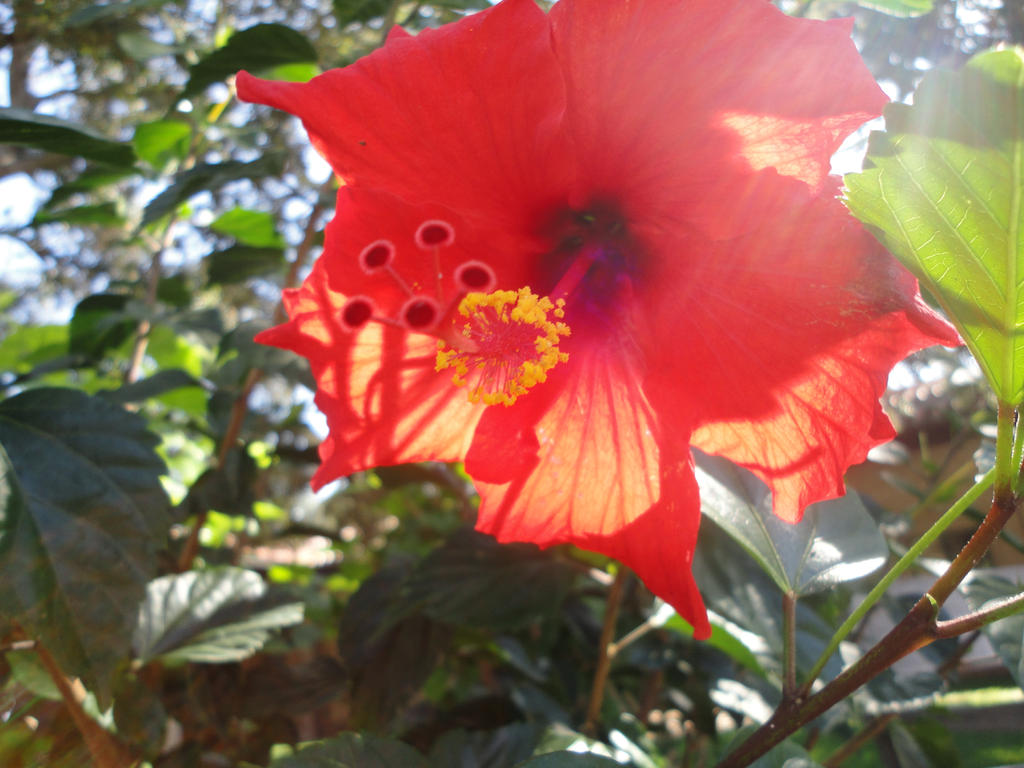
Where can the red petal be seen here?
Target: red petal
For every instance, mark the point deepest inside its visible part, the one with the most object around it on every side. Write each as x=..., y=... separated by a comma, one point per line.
x=377, y=387
x=467, y=115
x=786, y=348
x=695, y=95
x=583, y=462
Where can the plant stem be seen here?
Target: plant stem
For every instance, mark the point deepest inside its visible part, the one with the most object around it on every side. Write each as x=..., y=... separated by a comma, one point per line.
x=144, y=326
x=604, y=659
x=897, y=570
x=238, y=410
x=105, y=750
x=916, y=630
x=789, y=645
x=241, y=404
x=972, y=621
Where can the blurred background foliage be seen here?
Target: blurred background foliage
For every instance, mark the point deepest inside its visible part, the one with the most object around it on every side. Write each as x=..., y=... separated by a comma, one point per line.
x=148, y=221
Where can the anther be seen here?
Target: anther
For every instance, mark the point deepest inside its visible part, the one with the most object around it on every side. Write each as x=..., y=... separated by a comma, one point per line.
x=507, y=345
x=420, y=313
x=376, y=256
x=434, y=233
x=356, y=312
x=476, y=276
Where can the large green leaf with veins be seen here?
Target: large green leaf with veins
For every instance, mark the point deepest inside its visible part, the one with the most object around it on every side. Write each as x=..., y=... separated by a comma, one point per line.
x=82, y=514
x=943, y=189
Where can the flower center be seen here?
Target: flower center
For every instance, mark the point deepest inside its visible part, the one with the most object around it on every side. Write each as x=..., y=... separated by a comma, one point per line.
x=506, y=346
x=594, y=261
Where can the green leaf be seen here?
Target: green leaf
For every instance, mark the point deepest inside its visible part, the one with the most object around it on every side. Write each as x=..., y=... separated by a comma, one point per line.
x=943, y=191
x=354, y=750
x=161, y=141
x=28, y=346
x=240, y=262
x=902, y=8
x=82, y=516
x=568, y=760
x=51, y=134
x=256, y=228
x=28, y=671
x=473, y=580
x=721, y=639
x=215, y=616
x=208, y=177
x=837, y=541
x=1007, y=634
x=257, y=48
x=100, y=323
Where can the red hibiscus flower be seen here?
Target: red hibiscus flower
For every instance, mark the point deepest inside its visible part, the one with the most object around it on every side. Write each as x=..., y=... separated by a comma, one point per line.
x=572, y=245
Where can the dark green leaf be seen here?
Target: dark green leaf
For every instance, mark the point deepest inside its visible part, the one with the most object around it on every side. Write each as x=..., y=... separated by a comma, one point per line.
x=51, y=134
x=87, y=181
x=500, y=748
x=166, y=380
x=837, y=541
x=473, y=580
x=354, y=750
x=389, y=652
x=908, y=753
x=942, y=191
x=208, y=177
x=257, y=48
x=256, y=228
x=78, y=541
x=99, y=324
x=348, y=11
x=217, y=615
x=239, y=354
x=101, y=214
x=240, y=262
x=161, y=141
x=118, y=9
x=174, y=290
x=748, y=604
x=139, y=714
x=1006, y=635
x=568, y=760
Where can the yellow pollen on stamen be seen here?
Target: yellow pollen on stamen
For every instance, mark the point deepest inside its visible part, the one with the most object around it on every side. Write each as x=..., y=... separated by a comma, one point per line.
x=507, y=345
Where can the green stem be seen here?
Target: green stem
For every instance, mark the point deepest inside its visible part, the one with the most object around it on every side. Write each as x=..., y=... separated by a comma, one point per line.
x=1006, y=472
x=897, y=570
x=1017, y=454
